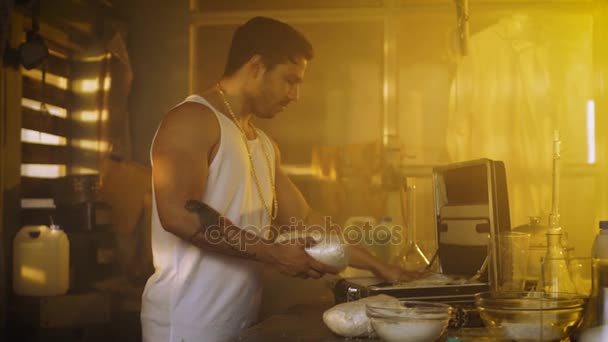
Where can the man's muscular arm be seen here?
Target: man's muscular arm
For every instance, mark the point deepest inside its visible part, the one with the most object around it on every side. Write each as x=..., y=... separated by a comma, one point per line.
x=218, y=234
x=180, y=156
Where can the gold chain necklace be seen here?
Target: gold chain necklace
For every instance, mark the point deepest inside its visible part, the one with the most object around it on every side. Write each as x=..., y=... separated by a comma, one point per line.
x=272, y=212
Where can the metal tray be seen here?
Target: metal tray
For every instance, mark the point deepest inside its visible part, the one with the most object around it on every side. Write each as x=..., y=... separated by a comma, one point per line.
x=346, y=290
x=461, y=297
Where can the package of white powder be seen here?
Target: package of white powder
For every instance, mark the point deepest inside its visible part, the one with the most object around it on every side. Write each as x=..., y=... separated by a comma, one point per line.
x=350, y=320
x=329, y=249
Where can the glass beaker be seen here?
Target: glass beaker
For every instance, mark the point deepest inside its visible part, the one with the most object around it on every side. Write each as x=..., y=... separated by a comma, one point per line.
x=581, y=273
x=512, y=263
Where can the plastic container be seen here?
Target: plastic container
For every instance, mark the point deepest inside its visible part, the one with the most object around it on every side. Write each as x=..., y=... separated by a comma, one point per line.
x=41, y=261
x=599, y=302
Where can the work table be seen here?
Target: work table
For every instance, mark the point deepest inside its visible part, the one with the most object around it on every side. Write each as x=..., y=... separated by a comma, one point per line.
x=299, y=323
x=303, y=323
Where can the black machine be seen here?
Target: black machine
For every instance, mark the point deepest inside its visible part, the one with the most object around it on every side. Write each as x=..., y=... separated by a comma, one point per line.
x=471, y=205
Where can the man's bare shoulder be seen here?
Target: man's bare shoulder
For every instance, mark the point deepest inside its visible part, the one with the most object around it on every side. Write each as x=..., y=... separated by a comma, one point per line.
x=192, y=115
x=191, y=125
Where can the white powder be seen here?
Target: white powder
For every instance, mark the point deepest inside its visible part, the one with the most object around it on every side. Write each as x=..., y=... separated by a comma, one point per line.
x=329, y=250
x=531, y=331
x=434, y=279
x=412, y=331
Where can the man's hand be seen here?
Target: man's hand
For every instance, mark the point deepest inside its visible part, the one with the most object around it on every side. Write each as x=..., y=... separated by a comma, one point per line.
x=291, y=259
x=395, y=274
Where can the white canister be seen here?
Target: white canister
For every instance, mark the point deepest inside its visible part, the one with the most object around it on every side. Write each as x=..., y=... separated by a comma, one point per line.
x=41, y=261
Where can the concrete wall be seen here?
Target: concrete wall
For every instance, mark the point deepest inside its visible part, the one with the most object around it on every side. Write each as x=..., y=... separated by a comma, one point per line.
x=158, y=45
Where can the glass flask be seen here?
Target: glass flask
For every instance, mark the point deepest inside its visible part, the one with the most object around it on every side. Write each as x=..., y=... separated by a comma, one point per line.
x=555, y=271
x=538, y=249
x=412, y=258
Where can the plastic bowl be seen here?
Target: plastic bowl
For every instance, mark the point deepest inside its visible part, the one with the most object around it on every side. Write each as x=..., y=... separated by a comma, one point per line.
x=530, y=316
x=411, y=321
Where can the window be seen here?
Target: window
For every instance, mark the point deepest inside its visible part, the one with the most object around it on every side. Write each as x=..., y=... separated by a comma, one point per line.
x=64, y=111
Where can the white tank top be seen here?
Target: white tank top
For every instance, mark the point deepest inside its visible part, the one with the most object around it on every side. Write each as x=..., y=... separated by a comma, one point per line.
x=205, y=296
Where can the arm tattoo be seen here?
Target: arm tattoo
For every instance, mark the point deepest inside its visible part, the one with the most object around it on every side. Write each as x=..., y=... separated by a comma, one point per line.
x=218, y=232
x=207, y=217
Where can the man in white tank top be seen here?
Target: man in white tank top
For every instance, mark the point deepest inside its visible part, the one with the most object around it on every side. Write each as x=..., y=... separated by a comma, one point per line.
x=217, y=184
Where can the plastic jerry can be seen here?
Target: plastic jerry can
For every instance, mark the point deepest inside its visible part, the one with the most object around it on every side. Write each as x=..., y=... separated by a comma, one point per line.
x=41, y=261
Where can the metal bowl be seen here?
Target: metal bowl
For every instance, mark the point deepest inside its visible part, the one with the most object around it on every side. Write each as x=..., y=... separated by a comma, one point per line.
x=530, y=316
x=411, y=321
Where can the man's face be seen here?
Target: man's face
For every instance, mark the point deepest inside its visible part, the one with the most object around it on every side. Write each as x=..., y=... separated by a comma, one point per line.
x=277, y=88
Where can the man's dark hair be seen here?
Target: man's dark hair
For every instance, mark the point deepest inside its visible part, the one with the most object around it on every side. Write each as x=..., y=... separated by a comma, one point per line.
x=275, y=41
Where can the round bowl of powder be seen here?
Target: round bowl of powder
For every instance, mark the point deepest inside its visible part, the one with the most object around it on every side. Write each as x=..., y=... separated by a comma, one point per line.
x=411, y=321
x=530, y=316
